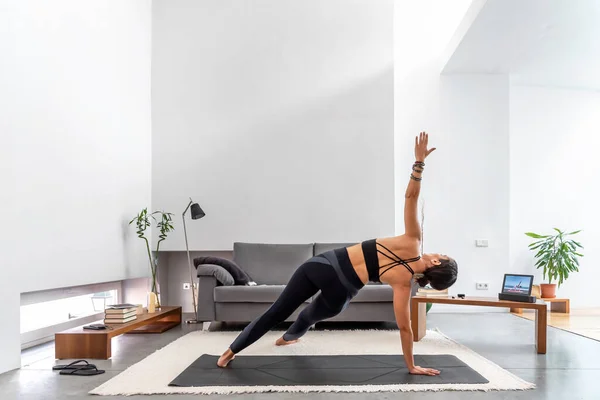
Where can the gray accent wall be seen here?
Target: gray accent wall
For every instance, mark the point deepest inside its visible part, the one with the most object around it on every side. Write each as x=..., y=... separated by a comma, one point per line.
x=174, y=272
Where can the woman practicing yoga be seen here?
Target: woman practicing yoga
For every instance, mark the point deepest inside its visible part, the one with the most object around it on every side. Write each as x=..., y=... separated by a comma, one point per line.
x=339, y=275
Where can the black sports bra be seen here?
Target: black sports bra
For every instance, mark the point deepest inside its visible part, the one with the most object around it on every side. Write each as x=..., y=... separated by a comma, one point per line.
x=370, y=250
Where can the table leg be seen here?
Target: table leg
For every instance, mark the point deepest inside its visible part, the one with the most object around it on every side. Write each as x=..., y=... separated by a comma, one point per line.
x=418, y=319
x=516, y=310
x=95, y=346
x=541, y=328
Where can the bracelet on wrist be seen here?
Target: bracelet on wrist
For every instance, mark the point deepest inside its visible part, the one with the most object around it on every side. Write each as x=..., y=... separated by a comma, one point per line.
x=414, y=178
x=418, y=167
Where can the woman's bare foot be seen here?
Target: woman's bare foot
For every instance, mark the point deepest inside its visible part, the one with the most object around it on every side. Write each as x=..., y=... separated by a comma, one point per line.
x=282, y=342
x=225, y=358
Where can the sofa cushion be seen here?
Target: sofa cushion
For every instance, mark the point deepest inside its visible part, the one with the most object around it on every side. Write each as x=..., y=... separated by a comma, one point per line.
x=271, y=264
x=249, y=294
x=374, y=294
x=321, y=248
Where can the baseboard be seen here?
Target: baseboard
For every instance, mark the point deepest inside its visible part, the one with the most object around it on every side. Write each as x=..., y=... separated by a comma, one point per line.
x=37, y=342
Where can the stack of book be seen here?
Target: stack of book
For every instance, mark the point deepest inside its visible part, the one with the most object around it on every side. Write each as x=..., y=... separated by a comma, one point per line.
x=428, y=291
x=120, y=313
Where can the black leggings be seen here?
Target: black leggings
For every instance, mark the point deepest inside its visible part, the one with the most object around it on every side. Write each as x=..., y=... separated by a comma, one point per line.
x=331, y=273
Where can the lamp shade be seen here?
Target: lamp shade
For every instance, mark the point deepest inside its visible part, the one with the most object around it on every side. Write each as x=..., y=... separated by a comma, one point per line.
x=196, y=211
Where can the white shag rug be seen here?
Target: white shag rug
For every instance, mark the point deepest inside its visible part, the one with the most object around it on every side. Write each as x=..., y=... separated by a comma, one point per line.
x=153, y=374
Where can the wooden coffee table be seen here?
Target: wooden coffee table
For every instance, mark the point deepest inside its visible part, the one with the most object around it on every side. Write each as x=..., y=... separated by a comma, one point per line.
x=419, y=303
x=89, y=344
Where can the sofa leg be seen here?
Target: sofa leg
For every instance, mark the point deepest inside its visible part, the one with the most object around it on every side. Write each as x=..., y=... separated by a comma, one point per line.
x=205, y=326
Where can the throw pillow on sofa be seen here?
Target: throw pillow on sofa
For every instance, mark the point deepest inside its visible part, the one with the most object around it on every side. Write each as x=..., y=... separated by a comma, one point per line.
x=240, y=276
x=221, y=275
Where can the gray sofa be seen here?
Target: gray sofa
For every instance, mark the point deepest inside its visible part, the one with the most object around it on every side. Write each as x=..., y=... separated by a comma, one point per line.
x=271, y=266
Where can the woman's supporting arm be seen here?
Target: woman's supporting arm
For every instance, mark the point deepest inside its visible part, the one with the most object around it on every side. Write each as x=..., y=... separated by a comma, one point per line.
x=402, y=314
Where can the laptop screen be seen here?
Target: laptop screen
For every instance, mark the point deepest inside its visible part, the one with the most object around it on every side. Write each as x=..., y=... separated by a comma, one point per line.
x=517, y=284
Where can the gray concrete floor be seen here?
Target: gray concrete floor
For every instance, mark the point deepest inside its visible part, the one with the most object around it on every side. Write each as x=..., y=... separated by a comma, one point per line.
x=570, y=370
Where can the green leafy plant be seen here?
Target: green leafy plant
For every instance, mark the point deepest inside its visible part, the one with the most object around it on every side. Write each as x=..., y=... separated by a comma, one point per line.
x=557, y=254
x=142, y=222
x=165, y=225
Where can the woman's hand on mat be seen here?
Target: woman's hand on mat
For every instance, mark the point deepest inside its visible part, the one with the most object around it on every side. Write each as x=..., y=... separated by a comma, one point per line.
x=421, y=150
x=423, y=371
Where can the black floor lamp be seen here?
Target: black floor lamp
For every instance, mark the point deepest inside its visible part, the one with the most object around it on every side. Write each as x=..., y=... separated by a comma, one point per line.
x=197, y=213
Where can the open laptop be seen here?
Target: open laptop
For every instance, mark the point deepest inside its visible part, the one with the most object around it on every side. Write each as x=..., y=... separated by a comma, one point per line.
x=517, y=284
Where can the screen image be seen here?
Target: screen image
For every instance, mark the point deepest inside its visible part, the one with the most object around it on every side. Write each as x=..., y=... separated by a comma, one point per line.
x=517, y=284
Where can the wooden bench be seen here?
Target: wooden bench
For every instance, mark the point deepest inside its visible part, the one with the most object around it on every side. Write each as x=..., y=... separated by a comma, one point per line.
x=418, y=314
x=90, y=344
x=556, y=305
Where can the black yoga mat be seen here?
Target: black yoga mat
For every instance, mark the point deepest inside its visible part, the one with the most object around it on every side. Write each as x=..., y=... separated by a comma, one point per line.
x=323, y=370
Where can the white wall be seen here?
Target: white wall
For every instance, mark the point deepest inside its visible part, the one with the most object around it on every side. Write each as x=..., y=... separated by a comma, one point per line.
x=554, y=176
x=276, y=116
x=468, y=194
x=484, y=128
x=422, y=31
x=9, y=312
x=466, y=181
x=75, y=90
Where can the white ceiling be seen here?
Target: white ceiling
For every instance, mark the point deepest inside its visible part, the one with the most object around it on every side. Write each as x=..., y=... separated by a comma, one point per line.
x=541, y=42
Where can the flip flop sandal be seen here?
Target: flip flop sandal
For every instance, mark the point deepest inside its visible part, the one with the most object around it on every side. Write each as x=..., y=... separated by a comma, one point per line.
x=86, y=370
x=73, y=365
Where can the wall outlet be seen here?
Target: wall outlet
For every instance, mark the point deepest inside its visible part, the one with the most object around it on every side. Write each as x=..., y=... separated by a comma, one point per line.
x=482, y=286
x=481, y=243
x=186, y=286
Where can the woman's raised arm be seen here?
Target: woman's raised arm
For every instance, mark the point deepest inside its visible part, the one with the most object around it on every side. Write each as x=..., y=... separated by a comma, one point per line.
x=412, y=227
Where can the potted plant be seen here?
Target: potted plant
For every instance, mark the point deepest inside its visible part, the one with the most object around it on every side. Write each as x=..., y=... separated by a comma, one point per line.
x=142, y=222
x=558, y=255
